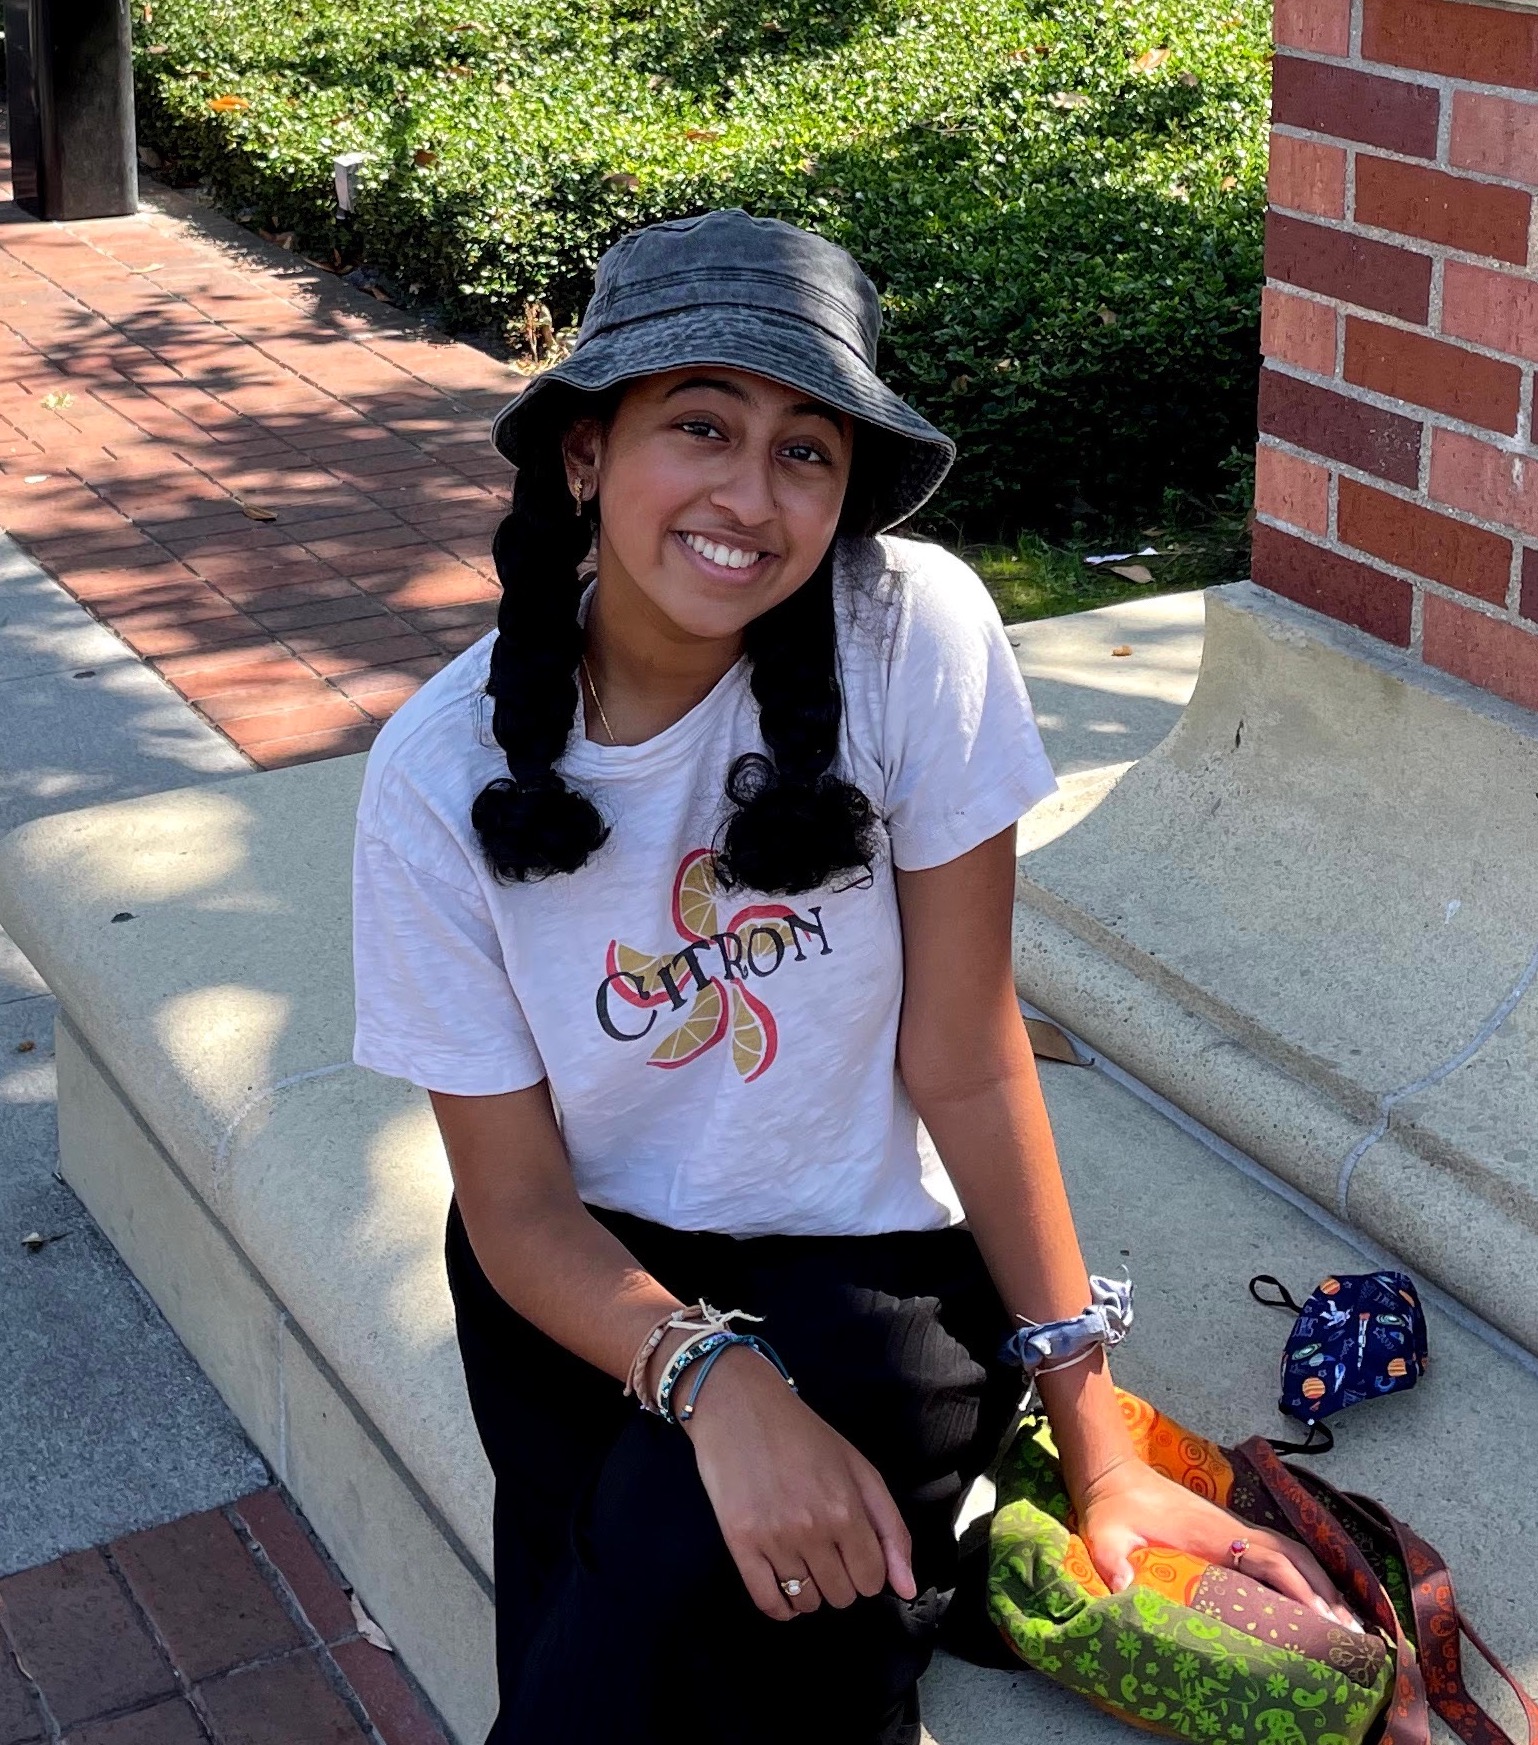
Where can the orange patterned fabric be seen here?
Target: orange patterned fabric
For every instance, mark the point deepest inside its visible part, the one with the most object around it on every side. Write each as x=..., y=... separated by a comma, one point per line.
x=1191, y=1461
x=1168, y=1447
x=1175, y=1574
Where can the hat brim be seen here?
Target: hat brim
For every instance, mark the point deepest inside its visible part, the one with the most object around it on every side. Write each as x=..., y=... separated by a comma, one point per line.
x=766, y=343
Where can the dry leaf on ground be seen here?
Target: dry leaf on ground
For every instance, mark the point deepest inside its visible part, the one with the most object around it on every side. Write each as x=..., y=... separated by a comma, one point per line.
x=1134, y=572
x=367, y=1628
x=25, y=1047
x=255, y=512
x=1049, y=1043
x=57, y=401
x=1122, y=648
x=34, y=1240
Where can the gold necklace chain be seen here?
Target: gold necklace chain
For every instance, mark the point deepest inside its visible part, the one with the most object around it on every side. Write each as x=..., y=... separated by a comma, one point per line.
x=598, y=701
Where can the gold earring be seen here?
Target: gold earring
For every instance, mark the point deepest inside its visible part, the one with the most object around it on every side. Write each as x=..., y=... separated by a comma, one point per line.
x=577, y=495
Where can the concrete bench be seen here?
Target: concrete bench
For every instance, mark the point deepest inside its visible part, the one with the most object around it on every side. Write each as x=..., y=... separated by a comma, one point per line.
x=285, y=1210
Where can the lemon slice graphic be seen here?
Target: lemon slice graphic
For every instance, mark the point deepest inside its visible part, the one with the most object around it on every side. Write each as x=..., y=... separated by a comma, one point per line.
x=694, y=896
x=702, y=1029
x=754, y=1037
x=625, y=961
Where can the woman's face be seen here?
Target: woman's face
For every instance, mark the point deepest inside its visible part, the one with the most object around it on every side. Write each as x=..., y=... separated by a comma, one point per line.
x=719, y=492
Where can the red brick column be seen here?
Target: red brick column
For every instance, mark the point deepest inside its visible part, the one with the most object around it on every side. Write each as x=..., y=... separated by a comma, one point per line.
x=1397, y=481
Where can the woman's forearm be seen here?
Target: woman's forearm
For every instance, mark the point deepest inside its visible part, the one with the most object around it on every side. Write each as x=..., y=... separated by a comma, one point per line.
x=996, y=1142
x=546, y=1255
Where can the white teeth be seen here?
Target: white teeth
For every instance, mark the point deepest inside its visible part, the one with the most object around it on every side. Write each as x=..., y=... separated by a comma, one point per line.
x=729, y=557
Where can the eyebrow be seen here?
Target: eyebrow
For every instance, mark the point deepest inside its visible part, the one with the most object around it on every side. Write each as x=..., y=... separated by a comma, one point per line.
x=807, y=408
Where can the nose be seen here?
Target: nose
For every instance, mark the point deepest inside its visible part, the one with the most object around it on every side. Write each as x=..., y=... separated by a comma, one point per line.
x=744, y=489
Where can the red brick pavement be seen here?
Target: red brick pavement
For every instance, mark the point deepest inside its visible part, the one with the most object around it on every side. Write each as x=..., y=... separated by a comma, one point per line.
x=229, y=1626
x=163, y=376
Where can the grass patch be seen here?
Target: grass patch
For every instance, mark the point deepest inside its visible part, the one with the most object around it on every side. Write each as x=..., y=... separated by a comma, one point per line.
x=1032, y=578
x=1062, y=200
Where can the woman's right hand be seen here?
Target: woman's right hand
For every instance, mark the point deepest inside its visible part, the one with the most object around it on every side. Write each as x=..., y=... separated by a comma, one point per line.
x=792, y=1497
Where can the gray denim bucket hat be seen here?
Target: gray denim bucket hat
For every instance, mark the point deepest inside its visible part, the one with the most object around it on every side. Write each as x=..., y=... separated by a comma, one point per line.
x=753, y=294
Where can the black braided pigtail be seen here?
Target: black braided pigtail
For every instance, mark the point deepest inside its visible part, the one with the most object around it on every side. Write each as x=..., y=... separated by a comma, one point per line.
x=797, y=823
x=529, y=822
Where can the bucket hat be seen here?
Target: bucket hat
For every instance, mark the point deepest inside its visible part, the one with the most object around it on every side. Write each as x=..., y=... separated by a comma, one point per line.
x=752, y=294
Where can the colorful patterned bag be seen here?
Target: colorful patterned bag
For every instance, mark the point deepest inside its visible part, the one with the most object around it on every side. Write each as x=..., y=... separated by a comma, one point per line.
x=1204, y=1653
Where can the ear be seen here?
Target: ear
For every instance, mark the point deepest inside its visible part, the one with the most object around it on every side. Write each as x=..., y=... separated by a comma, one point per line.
x=582, y=446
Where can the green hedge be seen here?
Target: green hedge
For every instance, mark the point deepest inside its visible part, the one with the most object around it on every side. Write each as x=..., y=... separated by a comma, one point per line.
x=1061, y=199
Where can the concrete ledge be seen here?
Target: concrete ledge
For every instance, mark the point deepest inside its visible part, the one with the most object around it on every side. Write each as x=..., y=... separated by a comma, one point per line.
x=1308, y=918
x=284, y=1209
x=413, y=1571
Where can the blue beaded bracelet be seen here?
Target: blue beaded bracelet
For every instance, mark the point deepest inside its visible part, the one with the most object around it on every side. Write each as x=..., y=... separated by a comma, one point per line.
x=687, y=1353
x=704, y=1352
x=762, y=1347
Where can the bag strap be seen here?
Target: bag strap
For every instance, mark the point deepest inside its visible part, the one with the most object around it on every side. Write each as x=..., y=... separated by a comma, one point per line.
x=1408, y=1720
x=1439, y=1622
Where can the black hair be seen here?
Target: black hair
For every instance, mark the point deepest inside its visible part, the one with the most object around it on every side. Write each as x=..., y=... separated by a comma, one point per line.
x=795, y=823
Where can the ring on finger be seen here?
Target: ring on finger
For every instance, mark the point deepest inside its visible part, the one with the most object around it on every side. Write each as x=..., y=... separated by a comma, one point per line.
x=793, y=1586
x=1237, y=1551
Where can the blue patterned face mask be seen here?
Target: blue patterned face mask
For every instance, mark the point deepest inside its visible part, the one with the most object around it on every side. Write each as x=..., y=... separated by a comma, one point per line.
x=1358, y=1337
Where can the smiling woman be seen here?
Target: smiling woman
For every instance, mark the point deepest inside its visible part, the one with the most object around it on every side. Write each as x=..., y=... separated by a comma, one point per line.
x=673, y=940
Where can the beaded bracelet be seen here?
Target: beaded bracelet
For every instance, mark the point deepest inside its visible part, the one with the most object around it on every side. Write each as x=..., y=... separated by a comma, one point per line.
x=761, y=1346
x=689, y=1352
x=699, y=1320
x=704, y=1351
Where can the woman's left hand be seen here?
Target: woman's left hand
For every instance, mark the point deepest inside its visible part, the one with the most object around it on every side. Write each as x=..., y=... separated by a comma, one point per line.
x=1130, y=1506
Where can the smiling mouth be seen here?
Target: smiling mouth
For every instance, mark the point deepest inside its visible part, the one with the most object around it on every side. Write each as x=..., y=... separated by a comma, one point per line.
x=723, y=557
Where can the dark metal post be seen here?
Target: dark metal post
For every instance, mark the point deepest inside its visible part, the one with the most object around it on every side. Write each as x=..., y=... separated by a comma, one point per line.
x=69, y=76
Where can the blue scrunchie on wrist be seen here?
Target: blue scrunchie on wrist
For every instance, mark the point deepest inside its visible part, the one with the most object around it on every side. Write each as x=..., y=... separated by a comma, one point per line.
x=1053, y=1344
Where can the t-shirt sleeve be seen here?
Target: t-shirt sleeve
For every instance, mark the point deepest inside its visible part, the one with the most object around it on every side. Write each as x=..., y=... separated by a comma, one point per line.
x=962, y=752
x=433, y=1001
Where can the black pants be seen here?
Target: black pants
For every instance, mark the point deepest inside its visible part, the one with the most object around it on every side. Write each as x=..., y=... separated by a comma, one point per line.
x=621, y=1618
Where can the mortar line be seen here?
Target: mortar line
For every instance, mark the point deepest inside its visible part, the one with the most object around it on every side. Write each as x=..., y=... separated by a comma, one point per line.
x=1379, y=1258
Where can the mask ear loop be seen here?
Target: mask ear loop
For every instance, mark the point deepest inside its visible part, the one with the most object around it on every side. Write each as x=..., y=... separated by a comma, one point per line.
x=1321, y=1439
x=1283, y=1298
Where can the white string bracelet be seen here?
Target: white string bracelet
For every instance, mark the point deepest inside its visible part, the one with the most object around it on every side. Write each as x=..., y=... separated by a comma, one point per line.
x=700, y=1322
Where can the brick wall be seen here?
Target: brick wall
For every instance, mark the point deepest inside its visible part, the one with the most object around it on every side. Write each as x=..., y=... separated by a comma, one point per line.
x=1397, y=478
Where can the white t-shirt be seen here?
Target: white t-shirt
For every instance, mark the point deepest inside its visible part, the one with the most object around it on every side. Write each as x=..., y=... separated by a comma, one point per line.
x=719, y=1060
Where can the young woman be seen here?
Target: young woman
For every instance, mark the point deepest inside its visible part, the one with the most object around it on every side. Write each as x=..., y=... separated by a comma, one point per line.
x=687, y=896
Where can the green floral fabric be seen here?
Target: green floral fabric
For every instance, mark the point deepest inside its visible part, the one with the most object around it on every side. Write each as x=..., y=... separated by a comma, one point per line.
x=1165, y=1666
